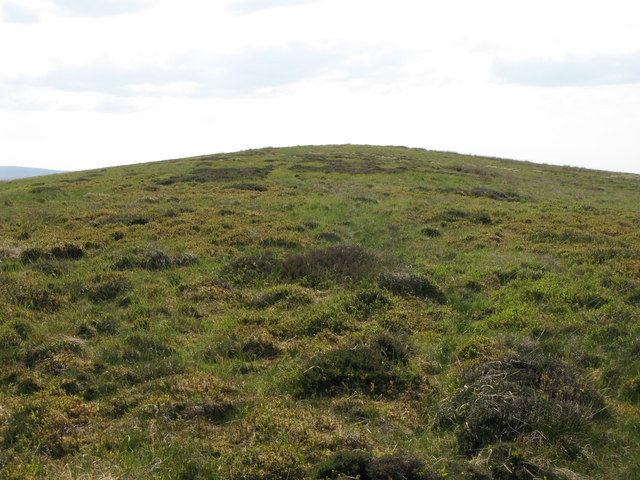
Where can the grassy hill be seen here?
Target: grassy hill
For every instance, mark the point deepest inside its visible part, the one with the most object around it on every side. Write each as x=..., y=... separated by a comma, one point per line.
x=321, y=312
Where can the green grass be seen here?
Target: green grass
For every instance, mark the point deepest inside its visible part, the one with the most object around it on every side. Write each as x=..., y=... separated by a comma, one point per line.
x=271, y=313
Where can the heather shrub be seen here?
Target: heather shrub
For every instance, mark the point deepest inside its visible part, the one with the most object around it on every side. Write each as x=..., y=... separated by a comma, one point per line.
x=289, y=295
x=252, y=348
x=319, y=318
x=343, y=262
x=50, y=424
x=523, y=395
x=364, y=466
x=631, y=389
x=347, y=370
x=47, y=352
x=154, y=260
x=430, y=232
x=68, y=251
x=395, y=348
x=109, y=288
x=367, y=302
x=193, y=396
x=413, y=284
x=455, y=215
x=33, y=254
x=249, y=269
x=346, y=464
x=37, y=298
x=252, y=187
x=400, y=467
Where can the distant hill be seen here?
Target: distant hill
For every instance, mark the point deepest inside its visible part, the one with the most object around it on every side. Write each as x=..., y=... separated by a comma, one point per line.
x=12, y=173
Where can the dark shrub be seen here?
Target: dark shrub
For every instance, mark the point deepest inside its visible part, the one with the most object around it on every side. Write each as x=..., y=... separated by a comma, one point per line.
x=222, y=174
x=394, y=348
x=329, y=237
x=362, y=465
x=510, y=462
x=109, y=289
x=249, y=269
x=399, y=467
x=282, y=294
x=44, y=189
x=39, y=299
x=411, y=284
x=128, y=219
x=367, y=302
x=155, y=260
x=321, y=318
x=232, y=346
x=253, y=187
x=68, y=251
x=486, y=193
x=631, y=389
x=258, y=348
x=49, y=424
x=527, y=393
x=348, y=370
x=352, y=464
x=338, y=262
x=52, y=269
x=184, y=259
x=53, y=356
x=191, y=396
x=455, y=215
x=34, y=254
x=430, y=232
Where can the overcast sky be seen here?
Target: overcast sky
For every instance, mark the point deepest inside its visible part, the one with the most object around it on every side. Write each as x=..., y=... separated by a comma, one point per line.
x=91, y=83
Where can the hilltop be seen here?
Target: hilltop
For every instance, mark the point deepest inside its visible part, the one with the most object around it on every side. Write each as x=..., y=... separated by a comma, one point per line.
x=323, y=312
x=13, y=173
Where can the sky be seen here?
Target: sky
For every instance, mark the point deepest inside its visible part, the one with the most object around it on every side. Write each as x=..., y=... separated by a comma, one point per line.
x=94, y=83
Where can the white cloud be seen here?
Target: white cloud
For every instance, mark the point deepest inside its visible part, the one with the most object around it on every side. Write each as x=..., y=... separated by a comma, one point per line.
x=102, y=8
x=16, y=13
x=250, y=6
x=572, y=71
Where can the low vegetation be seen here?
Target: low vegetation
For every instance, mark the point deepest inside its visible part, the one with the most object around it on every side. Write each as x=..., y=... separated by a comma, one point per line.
x=321, y=313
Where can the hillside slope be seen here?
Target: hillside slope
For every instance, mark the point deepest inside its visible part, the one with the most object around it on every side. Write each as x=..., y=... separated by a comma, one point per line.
x=321, y=312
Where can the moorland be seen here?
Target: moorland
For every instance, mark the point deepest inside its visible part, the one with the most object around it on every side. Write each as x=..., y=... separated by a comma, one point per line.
x=321, y=312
